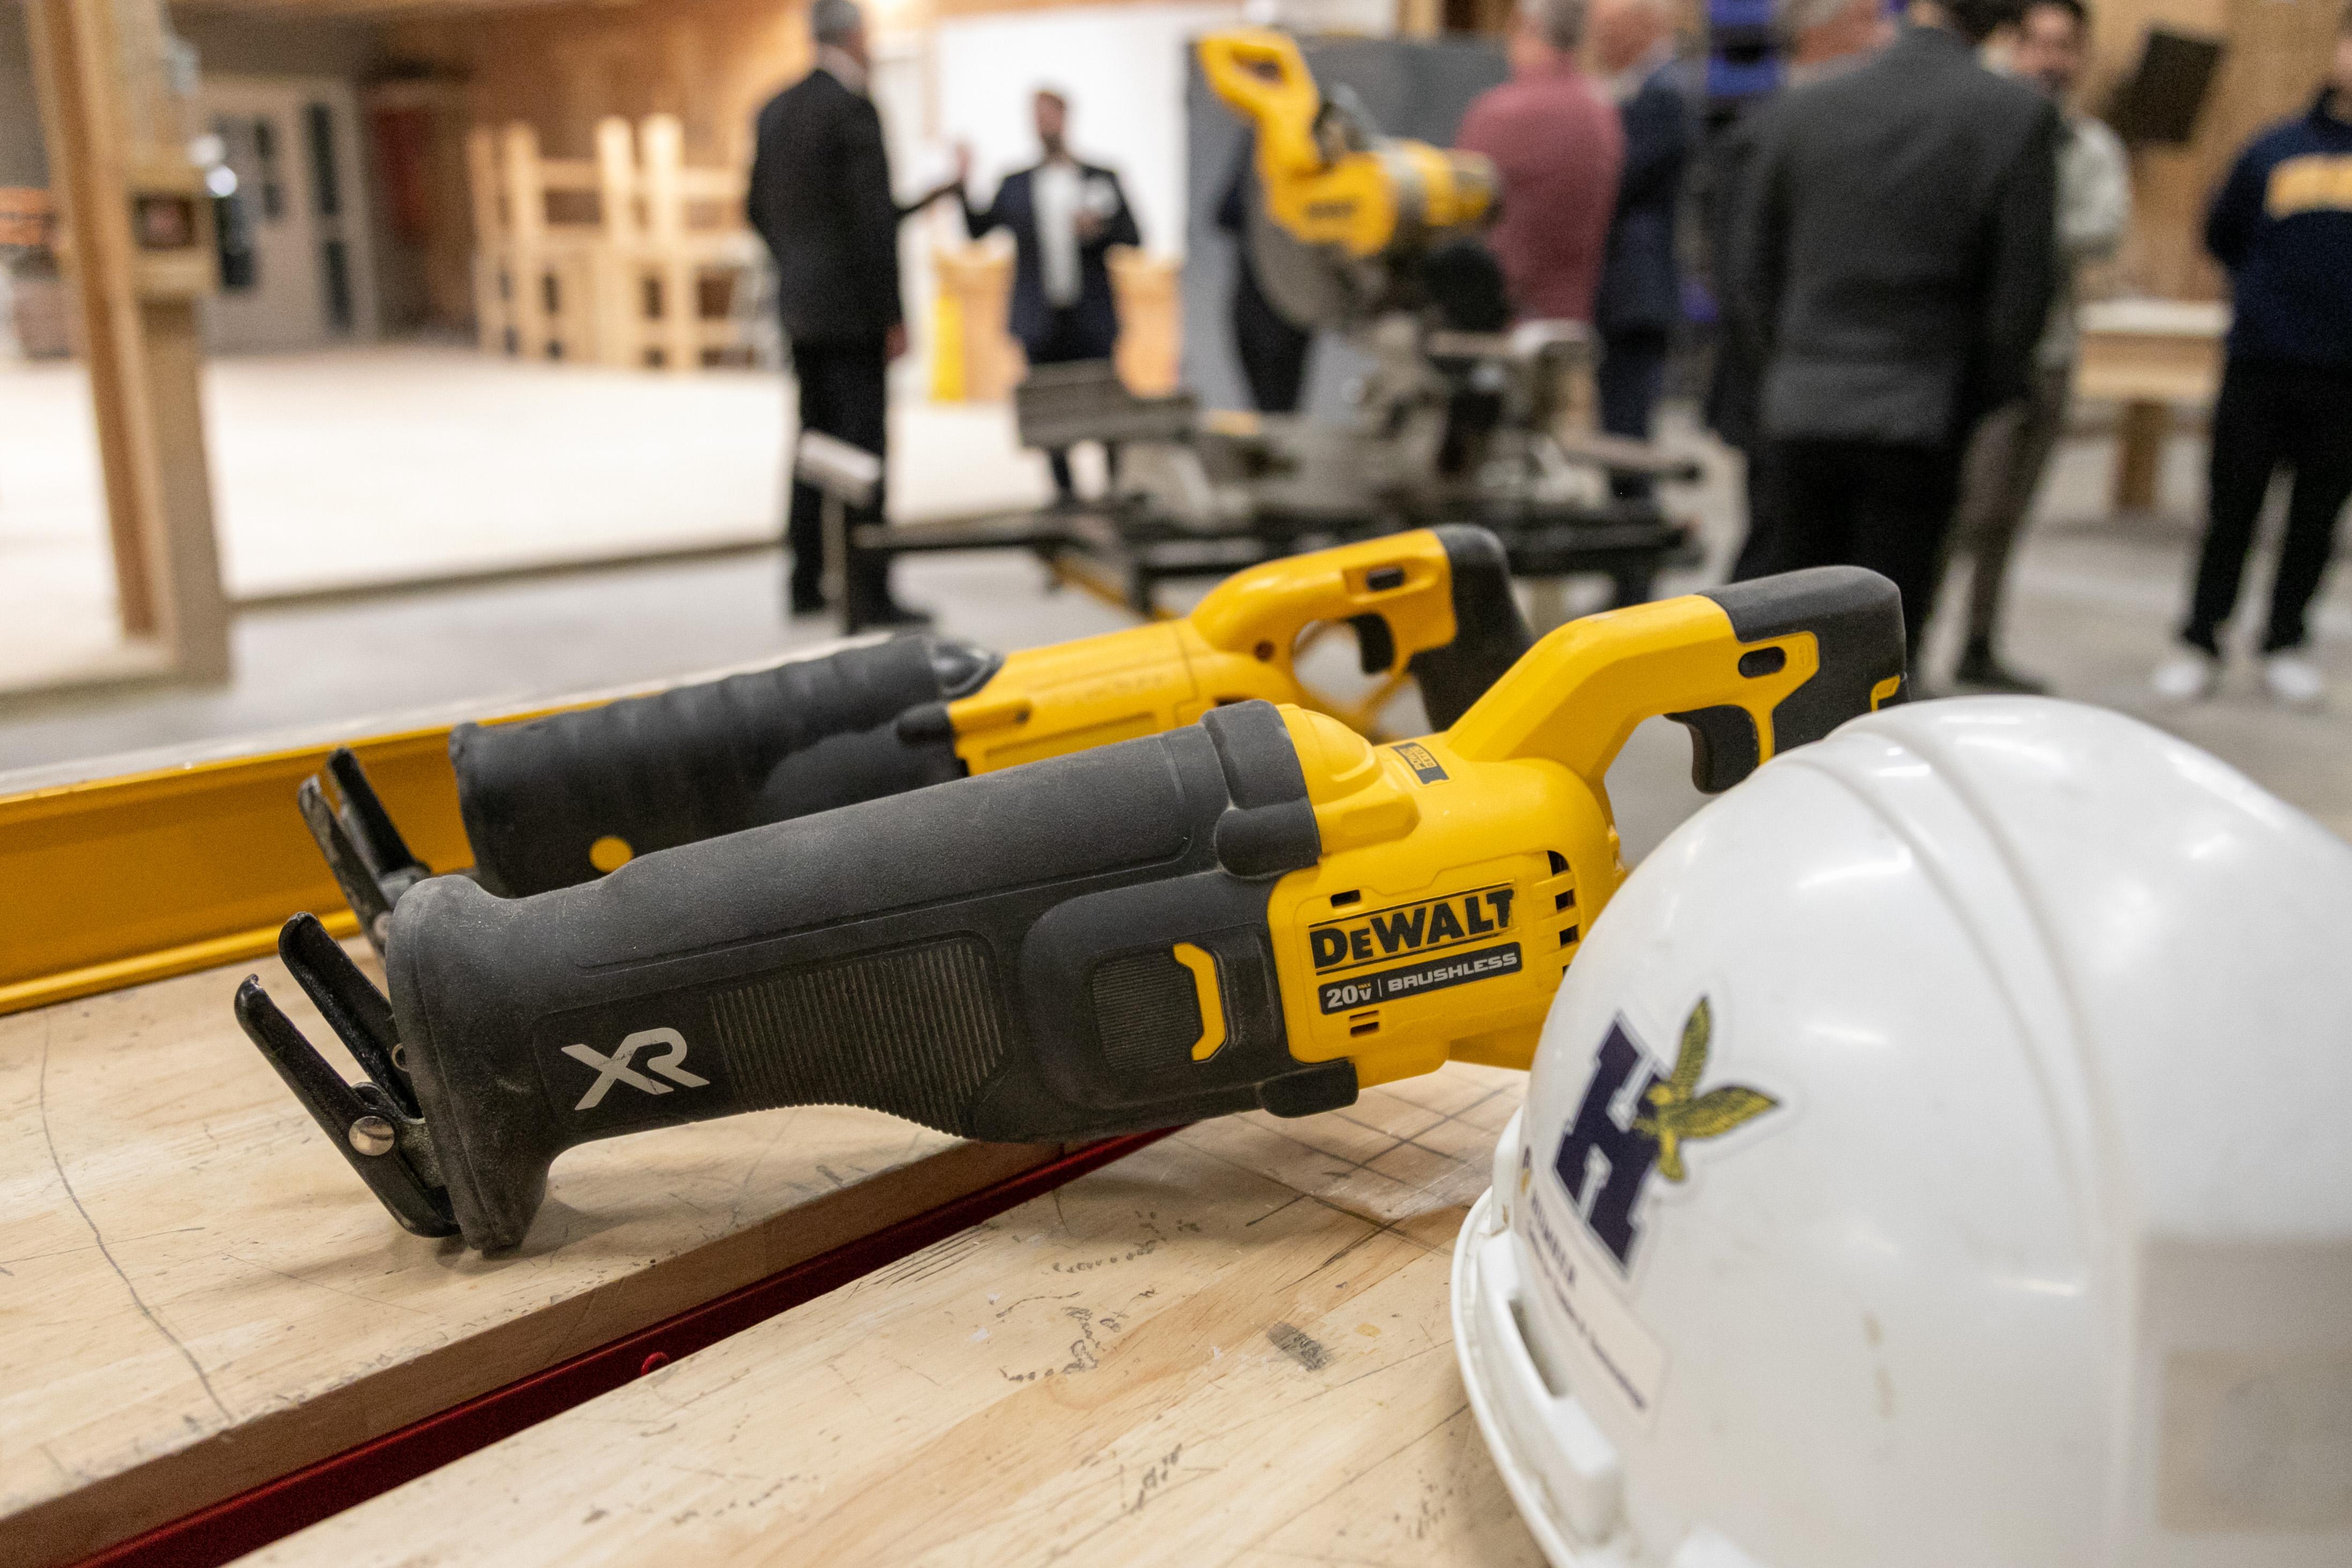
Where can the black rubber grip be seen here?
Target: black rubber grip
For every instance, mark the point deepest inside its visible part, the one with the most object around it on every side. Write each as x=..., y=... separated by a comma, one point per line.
x=1489, y=631
x=697, y=761
x=983, y=957
x=1856, y=617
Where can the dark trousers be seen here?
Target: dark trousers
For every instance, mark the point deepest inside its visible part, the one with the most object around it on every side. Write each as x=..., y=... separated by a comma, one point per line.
x=2270, y=416
x=1761, y=548
x=1883, y=505
x=1273, y=352
x=843, y=394
x=1632, y=369
x=1999, y=477
x=1067, y=341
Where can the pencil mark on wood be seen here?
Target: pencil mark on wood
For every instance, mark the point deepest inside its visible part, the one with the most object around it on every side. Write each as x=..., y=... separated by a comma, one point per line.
x=1143, y=1249
x=42, y=1095
x=1300, y=1346
x=321, y=1285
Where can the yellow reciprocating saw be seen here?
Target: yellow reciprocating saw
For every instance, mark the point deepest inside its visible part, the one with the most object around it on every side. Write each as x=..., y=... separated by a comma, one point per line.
x=1259, y=910
x=553, y=801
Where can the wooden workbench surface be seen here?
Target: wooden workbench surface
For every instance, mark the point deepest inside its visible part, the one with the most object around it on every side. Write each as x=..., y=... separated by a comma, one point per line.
x=196, y=1295
x=1232, y=1348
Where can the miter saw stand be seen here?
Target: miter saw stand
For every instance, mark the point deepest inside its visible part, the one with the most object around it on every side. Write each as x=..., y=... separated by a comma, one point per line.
x=1447, y=426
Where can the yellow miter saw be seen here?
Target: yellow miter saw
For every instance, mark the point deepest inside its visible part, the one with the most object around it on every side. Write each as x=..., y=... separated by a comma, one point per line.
x=1348, y=214
x=1376, y=238
x=1454, y=410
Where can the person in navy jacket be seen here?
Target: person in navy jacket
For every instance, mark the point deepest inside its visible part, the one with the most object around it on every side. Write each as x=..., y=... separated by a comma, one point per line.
x=1064, y=217
x=2282, y=224
x=1640, y=303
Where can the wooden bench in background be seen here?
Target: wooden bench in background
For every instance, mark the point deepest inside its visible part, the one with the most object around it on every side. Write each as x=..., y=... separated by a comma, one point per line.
x=2151, y=356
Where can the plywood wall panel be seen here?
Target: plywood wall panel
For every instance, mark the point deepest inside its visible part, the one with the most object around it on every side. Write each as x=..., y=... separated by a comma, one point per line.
x=2277, y=53
x=711, y=63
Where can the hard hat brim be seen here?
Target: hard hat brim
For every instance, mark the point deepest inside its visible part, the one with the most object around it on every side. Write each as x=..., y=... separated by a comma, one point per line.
x=1511, y=1400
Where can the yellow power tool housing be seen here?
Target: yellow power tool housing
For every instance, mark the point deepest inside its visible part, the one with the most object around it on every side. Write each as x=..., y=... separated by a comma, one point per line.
x=1259, y=910
x=557, y=800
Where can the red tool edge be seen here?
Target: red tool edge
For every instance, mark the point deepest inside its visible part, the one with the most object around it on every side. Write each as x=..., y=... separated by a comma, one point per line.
x=253, y=1519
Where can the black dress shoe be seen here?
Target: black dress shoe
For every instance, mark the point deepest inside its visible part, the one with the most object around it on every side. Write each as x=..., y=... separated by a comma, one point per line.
x=1980, y=669
x=893, y=613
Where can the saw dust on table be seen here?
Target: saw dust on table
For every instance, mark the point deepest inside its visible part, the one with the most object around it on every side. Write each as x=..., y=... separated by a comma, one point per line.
x=196, y=1296
x=1233, y=1346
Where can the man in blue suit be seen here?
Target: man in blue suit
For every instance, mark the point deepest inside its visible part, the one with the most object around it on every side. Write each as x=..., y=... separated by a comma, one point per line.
x=1641, y=299
x=1064, y=217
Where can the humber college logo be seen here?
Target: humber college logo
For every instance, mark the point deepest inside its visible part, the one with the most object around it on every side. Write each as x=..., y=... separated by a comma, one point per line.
x=1666, y=1114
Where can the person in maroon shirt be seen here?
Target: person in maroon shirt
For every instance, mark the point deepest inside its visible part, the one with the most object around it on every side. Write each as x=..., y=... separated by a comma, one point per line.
x=1558, y=145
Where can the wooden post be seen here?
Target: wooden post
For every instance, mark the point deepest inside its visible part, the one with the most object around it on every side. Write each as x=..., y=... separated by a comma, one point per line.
x=978, y=281
x=525, y=204
x=2139, y=455
x=619, y=336
x=137, y=244
x=493, y=306
x=1150, y=325
x=661, y=143
x=1420, y=19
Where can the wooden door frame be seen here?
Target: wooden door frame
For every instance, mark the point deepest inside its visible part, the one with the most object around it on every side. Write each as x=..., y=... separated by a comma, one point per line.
x=136, y=243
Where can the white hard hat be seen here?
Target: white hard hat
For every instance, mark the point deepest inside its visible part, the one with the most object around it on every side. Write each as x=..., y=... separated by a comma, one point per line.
x=1941, y=1153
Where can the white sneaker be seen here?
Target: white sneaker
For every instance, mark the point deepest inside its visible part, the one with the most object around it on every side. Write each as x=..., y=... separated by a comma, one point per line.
x=2188, y=676
x=2293, y=680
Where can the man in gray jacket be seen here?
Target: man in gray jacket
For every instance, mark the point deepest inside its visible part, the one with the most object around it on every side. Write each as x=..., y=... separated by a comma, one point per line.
x=1896, y=261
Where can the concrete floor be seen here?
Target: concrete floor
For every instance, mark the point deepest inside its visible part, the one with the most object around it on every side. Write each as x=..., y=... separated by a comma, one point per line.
x=2093, y=600
x=354, y=468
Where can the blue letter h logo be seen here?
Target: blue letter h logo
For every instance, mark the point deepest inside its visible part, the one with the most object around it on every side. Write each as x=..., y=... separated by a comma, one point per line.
x=1628, y=1153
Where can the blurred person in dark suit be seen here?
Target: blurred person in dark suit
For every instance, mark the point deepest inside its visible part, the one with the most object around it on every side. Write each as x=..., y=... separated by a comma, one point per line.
x=1064, y=217
x=1557, y=147
x=2011, y=448
x=1640, y=302
x=1824, y=38
x=820, y=195
x=1896, y=260
x=1271, y=346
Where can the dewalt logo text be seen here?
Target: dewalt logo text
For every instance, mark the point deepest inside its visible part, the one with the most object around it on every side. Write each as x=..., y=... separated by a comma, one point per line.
x=1428, y=927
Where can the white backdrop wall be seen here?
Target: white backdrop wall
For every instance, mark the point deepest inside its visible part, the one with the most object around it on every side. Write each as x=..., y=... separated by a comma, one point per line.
x=1122, y=69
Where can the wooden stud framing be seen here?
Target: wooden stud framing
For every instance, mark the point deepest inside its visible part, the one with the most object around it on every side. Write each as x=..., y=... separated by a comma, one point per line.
x=136, y=284
x=625, y=288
